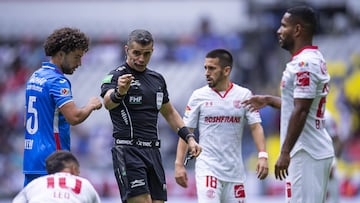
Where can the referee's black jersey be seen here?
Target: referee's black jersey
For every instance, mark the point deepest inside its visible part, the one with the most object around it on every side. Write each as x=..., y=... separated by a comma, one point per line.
x=137, y=114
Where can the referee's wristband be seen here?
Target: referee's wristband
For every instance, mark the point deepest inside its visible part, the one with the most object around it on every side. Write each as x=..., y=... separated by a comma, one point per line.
x=184, y=133
x=116, y=97
x=263, y=155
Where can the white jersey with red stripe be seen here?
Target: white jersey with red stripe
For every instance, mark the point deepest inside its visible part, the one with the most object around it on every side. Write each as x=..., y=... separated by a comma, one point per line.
x=306, y=77
x=220, y=119
x=58, y=188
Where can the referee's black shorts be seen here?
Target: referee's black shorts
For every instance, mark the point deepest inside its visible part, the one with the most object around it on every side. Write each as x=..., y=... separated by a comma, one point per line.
x=139, y=170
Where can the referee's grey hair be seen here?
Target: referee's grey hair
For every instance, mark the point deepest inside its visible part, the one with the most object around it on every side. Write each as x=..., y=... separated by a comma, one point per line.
x=140, y=36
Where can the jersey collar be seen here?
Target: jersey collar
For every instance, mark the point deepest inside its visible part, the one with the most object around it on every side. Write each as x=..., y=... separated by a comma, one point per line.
x=226, y=92
x=302, y=49
x=51, y=66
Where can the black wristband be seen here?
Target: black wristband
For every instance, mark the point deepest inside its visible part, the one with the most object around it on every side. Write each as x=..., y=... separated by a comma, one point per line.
x=115, y=97
x=117, y=93
x=185, y=133
x=190, y=135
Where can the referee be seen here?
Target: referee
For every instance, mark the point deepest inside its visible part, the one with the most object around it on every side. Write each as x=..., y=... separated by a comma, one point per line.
x=134, y=96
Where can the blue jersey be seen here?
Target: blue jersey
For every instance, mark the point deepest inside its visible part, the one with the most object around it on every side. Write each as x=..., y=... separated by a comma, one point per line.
x=46, y=129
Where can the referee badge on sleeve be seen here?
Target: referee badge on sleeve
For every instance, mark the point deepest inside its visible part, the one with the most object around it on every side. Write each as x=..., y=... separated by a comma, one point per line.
x=159, y=99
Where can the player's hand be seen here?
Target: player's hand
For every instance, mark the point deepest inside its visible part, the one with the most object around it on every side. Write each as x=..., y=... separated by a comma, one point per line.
x=181, y=175
x=124, y=82
x=95, y=103
x=255, y=102
x=262, y=168
x=194, y=147
x=281, y=166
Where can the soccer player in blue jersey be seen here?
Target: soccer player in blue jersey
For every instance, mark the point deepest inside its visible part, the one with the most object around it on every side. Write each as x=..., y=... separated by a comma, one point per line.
x=50, y=108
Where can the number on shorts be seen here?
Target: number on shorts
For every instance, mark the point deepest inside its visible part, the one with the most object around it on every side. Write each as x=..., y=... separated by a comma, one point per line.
x=211, y=182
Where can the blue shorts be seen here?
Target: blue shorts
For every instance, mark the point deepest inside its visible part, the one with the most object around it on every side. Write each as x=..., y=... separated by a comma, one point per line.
x=139, y=170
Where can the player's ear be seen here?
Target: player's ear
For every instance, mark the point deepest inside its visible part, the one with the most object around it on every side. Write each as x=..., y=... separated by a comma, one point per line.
x=75, y=169
x=126, y=49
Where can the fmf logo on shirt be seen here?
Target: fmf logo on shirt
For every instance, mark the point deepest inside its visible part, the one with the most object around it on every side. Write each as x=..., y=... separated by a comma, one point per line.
x=303, y=78
x=135, y=99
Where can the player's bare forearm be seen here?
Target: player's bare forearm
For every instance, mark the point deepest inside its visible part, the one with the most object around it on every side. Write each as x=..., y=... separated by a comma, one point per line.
x=175, y=121
x=108, y=103
x=181, y=175
x=256, y=102
x=180, y=171
x=296, y=123
x=273, y=101
x=172, y=117
x=262, y=168
x=75, y=115
x=257, y=133
x=181, y=151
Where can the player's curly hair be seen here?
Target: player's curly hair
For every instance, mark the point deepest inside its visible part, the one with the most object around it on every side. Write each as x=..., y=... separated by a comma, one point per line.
x=66, y=39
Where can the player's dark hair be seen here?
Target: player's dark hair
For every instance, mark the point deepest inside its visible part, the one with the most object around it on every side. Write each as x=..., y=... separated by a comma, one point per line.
x=66, y=39
x=140, y=36
x=59, y=160
x=305, y=16
x=225, y=57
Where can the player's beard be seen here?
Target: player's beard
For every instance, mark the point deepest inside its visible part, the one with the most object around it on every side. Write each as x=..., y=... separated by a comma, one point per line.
x=213, y=82
x=66, y=69
x=286, y=43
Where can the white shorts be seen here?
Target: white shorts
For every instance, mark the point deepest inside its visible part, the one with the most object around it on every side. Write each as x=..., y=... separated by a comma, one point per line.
x=308, y=178
x=212, y=190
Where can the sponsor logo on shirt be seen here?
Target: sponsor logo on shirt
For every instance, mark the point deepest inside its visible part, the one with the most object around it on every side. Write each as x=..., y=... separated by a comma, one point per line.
x=303, y=78
x=237, y=104
x=303, y=64
x=208, y=103
x=187, y=109
x=65, y=91
x=29, y=143
x=37, y=80
x=62, y=81
x=34, y=87
x=282, y=84
x=323, y=68
x=135, y=83
x=222, y=119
